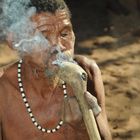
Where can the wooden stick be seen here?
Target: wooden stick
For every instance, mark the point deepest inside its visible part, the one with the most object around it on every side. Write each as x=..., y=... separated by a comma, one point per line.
x=76, y=77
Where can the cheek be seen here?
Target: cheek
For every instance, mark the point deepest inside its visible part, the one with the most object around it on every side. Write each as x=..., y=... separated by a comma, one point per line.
x=69, y=46
x=68, y=43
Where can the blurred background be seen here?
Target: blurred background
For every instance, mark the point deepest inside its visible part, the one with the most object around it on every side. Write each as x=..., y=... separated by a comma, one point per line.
x=108, y=31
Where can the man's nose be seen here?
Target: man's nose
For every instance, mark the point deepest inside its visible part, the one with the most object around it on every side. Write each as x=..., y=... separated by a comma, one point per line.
x=57, y=42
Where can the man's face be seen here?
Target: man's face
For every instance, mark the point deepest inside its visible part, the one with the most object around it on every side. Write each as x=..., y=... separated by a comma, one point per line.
x=57, y=29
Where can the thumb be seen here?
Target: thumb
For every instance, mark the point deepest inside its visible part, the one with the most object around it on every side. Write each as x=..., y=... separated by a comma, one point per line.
x=92, y=101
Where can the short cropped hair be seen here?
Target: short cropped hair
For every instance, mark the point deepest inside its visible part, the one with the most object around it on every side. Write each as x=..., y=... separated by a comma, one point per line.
x=49, y=5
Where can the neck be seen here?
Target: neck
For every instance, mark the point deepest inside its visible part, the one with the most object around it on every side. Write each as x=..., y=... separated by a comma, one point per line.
x=38, y=75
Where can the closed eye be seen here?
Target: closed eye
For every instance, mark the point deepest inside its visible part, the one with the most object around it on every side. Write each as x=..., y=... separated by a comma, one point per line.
x=64, y=34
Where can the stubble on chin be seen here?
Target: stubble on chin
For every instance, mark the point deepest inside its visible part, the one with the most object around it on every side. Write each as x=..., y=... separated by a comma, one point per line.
x=52, y=76
x=51, y=70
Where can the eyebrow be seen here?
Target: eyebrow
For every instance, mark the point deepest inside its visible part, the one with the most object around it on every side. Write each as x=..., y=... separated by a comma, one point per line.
x=66, y=27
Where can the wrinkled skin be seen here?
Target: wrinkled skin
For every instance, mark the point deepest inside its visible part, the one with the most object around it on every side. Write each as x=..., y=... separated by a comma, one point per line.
x=44, y=93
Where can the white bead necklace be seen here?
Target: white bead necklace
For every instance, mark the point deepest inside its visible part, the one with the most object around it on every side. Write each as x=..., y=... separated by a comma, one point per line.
x=45, y=130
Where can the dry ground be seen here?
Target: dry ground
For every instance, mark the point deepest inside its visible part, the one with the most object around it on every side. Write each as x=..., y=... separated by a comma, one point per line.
x=118, y=55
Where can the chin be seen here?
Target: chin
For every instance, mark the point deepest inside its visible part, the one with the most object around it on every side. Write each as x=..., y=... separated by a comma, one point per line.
x=51, y=72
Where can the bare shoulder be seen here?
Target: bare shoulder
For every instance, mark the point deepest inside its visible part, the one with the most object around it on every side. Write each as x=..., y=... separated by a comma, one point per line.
x=7, y=86
x=8, y=80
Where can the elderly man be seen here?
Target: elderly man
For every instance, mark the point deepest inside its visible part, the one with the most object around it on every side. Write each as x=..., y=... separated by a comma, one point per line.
x=32, y=105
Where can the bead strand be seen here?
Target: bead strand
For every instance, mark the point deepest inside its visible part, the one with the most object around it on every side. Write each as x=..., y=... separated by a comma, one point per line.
x=28, y=106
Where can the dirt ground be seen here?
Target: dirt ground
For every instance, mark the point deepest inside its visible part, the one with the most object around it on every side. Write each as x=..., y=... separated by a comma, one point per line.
x=115, y=45
x=119, y=62
x=117, y=52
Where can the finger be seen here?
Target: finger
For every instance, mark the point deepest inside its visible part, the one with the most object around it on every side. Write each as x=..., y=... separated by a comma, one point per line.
x=89, y=73
x=98, y=84
x=92, y=101
x=96, y=110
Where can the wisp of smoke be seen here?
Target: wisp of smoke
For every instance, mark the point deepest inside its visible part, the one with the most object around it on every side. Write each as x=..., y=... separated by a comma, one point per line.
x=61, y=57
x=15, y=19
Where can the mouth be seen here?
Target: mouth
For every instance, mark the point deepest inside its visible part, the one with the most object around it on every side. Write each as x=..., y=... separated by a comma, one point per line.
x=61, y=58
x=56, y=57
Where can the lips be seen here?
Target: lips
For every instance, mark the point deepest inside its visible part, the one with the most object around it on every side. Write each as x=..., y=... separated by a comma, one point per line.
x=55, y=50
x=54, y=55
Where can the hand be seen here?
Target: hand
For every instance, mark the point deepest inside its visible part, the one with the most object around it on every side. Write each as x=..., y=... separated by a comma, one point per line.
x=96, y=88
x=95, y=84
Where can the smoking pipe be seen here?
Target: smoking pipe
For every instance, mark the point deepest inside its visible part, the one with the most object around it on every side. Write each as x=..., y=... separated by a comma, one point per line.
x=76, y=77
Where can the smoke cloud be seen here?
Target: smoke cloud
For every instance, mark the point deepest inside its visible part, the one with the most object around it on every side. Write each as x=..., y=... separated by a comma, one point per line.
x=15, y=19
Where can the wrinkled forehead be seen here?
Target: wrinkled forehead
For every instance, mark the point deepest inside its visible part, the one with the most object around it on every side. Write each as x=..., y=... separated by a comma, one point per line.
x=59, y=17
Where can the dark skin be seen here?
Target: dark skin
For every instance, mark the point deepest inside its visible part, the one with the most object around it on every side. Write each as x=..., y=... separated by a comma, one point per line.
x=44, y=93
